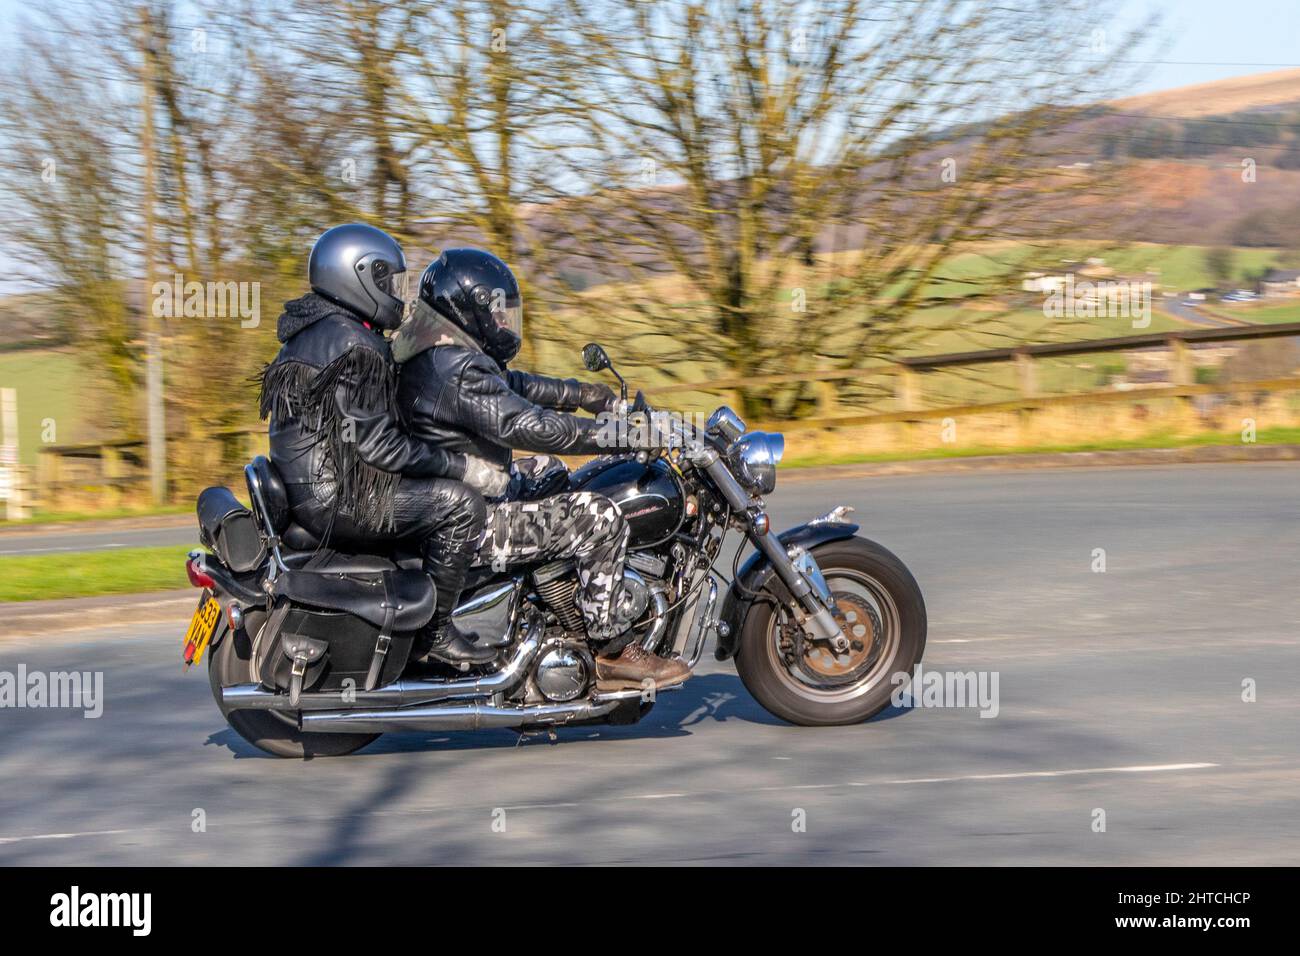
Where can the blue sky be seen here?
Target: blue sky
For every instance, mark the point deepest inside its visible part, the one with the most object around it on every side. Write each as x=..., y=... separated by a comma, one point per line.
x=1201, y=40
x=1214, y=39
x=1208, y=39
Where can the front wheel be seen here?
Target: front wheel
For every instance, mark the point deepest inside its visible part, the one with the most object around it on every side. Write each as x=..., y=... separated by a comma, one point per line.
x=880, y=608
x=268, y=730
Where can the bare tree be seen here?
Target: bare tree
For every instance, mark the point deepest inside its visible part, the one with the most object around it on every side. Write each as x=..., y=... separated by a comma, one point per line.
x=805, y=170
x=68, y=200
x=755, y=186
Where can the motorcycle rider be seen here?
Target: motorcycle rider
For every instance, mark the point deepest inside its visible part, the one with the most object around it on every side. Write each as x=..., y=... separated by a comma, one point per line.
x=456, y=393
x=352, y=475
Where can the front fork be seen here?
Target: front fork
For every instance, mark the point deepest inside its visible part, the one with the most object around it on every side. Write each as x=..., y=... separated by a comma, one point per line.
x=800, y=575
x=804, y=579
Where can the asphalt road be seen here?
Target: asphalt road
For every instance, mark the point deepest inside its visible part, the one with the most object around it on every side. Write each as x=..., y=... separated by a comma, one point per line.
x=1118, y=691
x=185, y=532
x=1188, y=311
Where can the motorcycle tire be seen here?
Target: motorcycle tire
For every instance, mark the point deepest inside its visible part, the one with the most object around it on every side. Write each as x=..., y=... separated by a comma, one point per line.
x=774, y=684
x=267, y=730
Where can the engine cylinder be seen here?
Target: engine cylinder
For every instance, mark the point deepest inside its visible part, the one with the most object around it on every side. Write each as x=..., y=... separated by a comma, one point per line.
x=557, y=585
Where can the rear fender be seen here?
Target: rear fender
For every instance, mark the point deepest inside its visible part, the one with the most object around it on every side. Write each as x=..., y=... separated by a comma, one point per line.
x=242, y=587
x=757, y=577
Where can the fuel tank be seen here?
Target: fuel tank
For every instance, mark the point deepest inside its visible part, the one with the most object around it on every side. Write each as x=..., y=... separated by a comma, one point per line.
x=650, y=496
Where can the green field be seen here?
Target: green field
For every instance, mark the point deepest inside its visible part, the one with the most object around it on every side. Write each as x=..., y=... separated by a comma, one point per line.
x=51, y=387
x=1288, y=310
x=1176, y=268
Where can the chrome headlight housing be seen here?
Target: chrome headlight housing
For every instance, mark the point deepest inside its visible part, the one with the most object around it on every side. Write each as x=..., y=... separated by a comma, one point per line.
x=724, y=427
x=754, y=458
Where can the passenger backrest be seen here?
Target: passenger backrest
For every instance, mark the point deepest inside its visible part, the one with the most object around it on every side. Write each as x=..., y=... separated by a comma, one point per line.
x=266, y=488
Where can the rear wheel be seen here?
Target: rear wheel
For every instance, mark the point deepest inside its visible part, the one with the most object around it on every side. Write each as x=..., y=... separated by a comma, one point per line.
x=880, y=608
x=268, y=730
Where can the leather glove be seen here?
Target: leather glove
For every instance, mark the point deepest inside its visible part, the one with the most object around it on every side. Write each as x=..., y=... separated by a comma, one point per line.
x=596, y=398
x=484, y=477
x=645, y=432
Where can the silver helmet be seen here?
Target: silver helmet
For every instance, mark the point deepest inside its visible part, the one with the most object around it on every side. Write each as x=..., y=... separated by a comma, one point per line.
x=362, y=269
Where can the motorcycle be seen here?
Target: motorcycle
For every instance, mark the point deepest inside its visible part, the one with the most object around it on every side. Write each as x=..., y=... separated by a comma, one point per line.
x=308, y=648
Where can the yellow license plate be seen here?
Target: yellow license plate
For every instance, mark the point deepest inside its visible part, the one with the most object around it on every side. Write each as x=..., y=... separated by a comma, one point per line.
x=202, y=626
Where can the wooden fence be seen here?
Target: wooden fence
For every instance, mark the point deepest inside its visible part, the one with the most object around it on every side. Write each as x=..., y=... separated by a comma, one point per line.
x=106, y=475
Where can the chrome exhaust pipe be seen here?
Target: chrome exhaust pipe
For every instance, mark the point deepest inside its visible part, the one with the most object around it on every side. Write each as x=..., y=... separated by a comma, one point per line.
x=400, y=693
x=471, y=715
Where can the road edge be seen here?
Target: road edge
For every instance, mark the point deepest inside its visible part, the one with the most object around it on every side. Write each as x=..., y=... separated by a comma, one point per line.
x=26, y=619
x=1192, y=455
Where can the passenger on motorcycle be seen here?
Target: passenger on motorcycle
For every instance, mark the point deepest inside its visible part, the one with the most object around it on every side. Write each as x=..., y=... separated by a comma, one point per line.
x=352, y=474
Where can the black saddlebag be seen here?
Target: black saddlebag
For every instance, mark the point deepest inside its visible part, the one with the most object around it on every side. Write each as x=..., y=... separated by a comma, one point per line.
x=230, y=530
x=326, y=628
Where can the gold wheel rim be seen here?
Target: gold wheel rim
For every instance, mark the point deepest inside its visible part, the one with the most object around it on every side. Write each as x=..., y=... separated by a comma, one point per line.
x=855, y=617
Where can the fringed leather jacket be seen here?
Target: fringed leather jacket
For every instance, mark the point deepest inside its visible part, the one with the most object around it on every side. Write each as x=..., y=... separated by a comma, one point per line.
x=335, y=435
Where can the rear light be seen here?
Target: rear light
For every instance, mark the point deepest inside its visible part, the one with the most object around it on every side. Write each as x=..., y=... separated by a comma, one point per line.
x=198, y=577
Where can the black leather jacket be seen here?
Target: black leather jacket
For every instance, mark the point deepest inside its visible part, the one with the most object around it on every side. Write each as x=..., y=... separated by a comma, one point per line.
x=334, y=433
x=459, y=399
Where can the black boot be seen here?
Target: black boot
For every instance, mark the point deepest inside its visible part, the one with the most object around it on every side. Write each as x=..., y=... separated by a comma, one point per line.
x=452, y=647
x=447, y=555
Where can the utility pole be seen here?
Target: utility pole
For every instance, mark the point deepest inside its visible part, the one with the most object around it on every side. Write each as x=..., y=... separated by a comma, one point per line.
x=157, y=416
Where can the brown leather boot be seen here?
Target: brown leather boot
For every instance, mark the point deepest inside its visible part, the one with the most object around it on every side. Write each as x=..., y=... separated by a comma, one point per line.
x=632, y=668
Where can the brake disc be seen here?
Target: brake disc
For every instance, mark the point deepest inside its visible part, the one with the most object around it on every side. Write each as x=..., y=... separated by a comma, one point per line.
x=861, y=625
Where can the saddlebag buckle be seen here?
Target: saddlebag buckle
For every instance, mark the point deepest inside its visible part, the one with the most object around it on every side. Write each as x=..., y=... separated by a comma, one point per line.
x=382, y=643
x=303, y=651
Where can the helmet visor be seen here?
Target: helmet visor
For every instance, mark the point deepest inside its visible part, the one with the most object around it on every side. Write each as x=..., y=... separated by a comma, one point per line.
x=510, y=318
x=396, y=284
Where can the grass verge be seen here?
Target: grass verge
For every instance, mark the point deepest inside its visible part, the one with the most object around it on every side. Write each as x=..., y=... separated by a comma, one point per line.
x=57, y=517
x=90, y=573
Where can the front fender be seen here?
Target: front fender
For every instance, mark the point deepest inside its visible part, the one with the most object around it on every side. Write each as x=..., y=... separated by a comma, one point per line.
x=757, y=573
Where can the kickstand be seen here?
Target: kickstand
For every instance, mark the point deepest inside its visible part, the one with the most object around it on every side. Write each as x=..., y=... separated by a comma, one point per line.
x=551, y=735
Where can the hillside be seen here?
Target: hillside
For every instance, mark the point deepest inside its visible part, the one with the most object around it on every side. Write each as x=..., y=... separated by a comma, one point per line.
x=1235, y=95
x=29, y=320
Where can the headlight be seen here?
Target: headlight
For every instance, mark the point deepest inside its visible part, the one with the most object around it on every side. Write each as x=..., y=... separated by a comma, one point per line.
x=754, y=457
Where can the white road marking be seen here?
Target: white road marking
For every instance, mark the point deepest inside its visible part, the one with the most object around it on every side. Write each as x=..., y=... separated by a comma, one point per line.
x=1033, y=774
x=96, y=547
x=659, y=796
x=779, y=788
x=1020, y=775
x=62, y=836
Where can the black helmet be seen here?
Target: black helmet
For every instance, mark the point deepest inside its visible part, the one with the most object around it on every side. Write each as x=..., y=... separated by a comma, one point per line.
x=478, y=292
x=362, y=269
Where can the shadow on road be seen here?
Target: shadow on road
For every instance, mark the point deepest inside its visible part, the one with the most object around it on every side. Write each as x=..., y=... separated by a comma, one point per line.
x=718, y=698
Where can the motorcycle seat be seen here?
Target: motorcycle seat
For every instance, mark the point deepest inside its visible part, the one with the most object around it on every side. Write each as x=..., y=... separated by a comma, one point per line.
x=370, y=595
x=271, y=502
